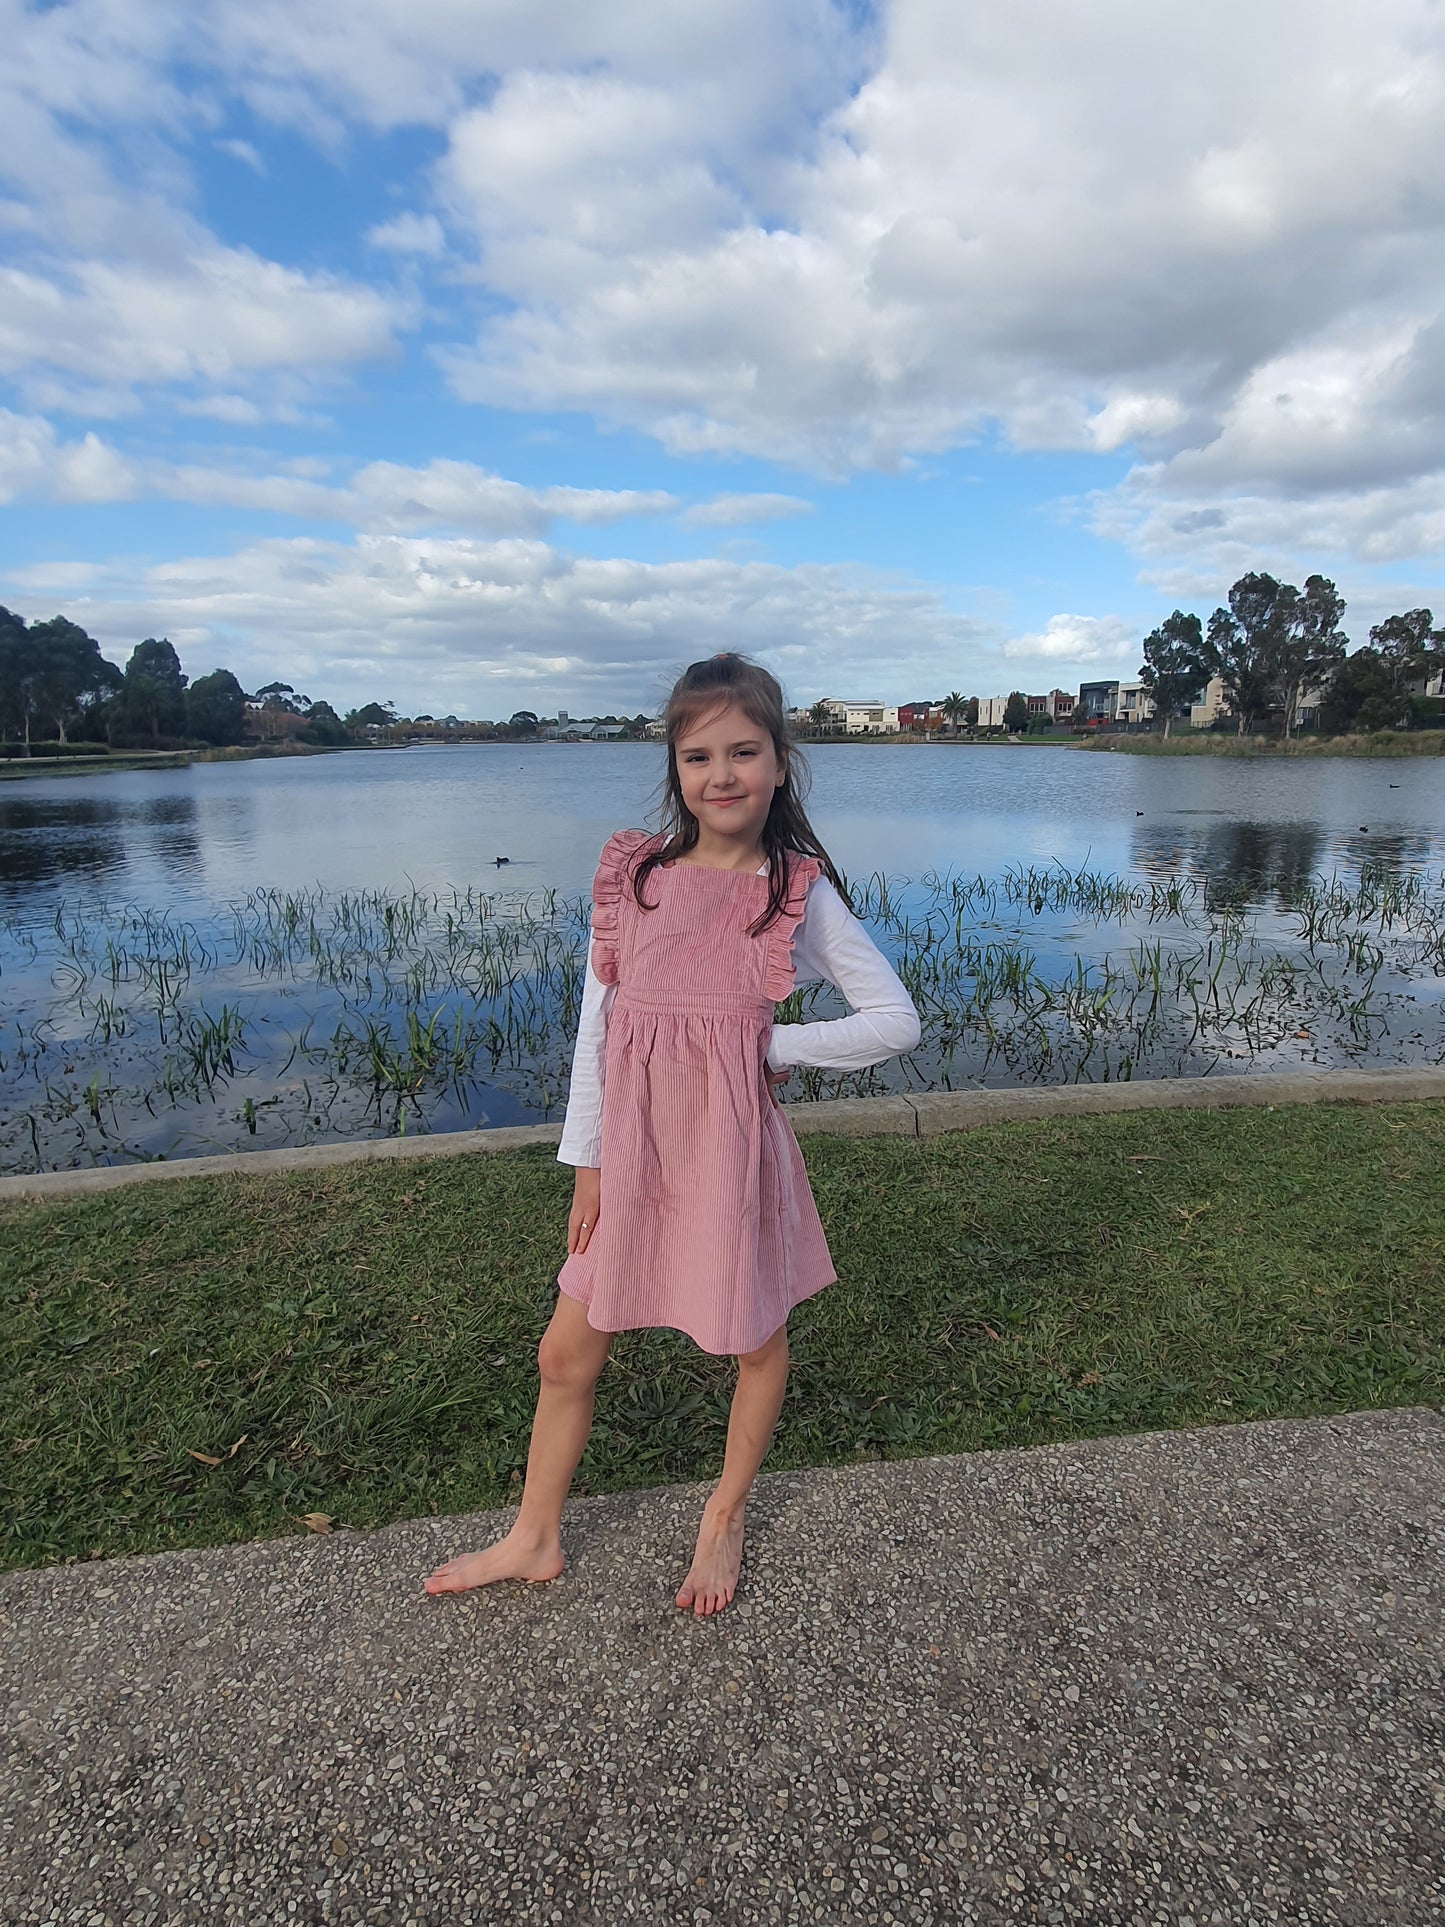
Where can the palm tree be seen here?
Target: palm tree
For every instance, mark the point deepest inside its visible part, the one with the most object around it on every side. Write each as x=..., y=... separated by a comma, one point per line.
x=953, y=707
x=820, y=715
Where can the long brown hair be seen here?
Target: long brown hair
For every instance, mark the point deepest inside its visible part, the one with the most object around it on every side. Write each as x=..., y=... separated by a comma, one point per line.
x=703, y=689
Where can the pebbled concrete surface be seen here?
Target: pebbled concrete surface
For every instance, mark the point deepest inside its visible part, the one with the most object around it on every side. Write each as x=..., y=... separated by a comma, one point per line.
x=1186, y=1678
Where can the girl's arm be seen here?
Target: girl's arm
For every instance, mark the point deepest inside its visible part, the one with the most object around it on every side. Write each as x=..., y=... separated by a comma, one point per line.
x=582, y=1132
x=831, y=943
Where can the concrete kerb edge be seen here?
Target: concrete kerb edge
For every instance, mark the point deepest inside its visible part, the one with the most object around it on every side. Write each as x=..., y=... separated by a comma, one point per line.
x=926, y=1114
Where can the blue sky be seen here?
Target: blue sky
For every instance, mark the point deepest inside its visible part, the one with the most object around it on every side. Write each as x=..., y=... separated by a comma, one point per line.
x=476, y=355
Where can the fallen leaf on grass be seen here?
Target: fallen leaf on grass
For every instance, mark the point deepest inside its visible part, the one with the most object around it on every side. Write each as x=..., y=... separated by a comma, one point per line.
x=317, y=1521
x=1143, y=1157
x=237, y=1446
x=993, y=1334
x=204, y=1457
x=1091, y=1378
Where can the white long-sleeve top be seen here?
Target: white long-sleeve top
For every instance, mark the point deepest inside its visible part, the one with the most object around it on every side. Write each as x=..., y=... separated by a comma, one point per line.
x=829, y=943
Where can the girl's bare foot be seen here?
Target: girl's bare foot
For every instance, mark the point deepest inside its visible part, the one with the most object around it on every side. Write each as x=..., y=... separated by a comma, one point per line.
x=714, y=1576
x=509, y=1558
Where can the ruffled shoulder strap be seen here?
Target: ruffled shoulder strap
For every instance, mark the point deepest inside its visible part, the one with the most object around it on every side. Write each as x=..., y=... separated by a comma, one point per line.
x=778, y=965
x=620, y=855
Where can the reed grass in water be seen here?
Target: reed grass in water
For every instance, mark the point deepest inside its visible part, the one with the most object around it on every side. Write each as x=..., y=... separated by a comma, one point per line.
x=303, y=1016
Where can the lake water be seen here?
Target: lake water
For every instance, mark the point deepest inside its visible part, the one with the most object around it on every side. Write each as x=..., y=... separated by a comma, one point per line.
x=252, y=954
x=437, y=817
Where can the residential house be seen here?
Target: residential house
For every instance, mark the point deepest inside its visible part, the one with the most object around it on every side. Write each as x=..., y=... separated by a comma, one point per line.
x=1058, y=706
x=1211, y=707
x=1133, y=706
x=1098, y=702
x=860, y=718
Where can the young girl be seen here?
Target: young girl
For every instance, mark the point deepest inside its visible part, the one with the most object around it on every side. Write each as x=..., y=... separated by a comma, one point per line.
x=691, y=1205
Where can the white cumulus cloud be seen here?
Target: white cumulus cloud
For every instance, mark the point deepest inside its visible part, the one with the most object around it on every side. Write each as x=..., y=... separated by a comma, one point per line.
x=409, y=234
x=741, y=511
x=1075, y=640
x=36, y=462
x=482, y=627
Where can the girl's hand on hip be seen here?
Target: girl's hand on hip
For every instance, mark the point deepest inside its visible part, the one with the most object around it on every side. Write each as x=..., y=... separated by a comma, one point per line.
x=586, y=1208
x=774, y=1079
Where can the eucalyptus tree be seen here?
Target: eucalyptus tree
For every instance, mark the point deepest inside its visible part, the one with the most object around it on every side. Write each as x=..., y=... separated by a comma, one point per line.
x=1176, y=665
x=21, y=673
x=52, y=676
x=1364, y=693
x=216, y=708
x=1411, y=645
x=1242, y=643
x=1309, y=644
x=153, y=697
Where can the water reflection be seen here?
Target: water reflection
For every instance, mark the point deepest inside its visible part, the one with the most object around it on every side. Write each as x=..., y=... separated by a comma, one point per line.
x=1249, y=862
x=1243, y=861
x=94, y=840
x=210, y=834
x=175, y=833
x=1393, y=853
x=40, y=842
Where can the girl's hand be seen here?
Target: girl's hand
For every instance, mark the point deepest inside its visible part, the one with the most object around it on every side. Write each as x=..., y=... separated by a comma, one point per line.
x=774, y=1078
x=586, y=1208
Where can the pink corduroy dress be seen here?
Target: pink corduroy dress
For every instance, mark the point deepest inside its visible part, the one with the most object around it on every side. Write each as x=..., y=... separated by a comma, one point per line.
x=707, y=1223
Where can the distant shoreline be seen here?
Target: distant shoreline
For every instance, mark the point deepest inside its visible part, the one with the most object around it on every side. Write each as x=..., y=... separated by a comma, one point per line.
x=16, y=768
x=1385, y=743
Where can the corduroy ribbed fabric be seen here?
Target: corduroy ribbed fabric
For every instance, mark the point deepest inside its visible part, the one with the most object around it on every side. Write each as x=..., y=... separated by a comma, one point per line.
x=707, y=1223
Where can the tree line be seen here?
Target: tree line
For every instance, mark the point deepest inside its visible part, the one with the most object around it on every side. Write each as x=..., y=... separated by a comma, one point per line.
x=1273, y=645
x=1276, y=644
x=57, y=688
x=58, y=691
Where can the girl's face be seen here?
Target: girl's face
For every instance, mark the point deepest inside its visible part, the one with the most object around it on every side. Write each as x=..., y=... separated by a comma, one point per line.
x=728, y=769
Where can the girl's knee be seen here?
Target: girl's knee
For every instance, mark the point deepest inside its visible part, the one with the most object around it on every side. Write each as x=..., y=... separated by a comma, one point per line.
x=561, y=1361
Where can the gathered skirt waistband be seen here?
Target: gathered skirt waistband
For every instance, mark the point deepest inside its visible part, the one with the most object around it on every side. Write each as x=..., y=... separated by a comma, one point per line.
x=684, y=1002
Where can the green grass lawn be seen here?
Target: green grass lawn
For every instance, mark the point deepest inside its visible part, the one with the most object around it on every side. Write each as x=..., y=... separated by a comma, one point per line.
x=191, y=1362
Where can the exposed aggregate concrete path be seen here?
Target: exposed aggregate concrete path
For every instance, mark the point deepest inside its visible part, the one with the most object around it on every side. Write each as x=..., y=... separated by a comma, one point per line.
x=1186, y=1677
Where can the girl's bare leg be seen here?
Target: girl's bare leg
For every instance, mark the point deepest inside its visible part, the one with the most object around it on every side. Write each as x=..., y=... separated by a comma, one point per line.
x=569, y=1359
x=757, y=1400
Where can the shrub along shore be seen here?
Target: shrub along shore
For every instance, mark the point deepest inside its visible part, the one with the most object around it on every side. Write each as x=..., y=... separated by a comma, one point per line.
x=213, y=1359
x=1382, y=742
